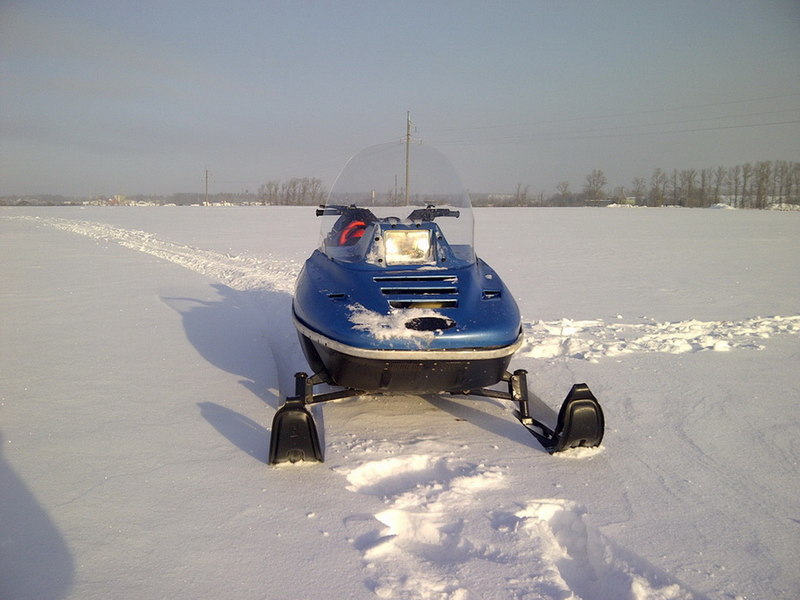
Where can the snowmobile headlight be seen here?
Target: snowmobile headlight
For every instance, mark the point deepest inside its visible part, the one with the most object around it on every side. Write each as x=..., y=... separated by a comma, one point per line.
x=407, y=246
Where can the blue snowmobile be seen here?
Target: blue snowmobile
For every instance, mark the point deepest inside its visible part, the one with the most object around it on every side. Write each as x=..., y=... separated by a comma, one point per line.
x=395, y=301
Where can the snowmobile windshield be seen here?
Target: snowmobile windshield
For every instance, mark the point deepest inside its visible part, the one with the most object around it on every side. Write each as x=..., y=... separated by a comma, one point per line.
x=395, y=205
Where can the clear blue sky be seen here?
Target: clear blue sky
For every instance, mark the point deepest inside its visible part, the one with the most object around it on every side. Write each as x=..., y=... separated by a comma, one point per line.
x=107, y=97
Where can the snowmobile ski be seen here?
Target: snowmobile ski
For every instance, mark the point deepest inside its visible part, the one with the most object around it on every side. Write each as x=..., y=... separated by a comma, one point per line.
x=581, y=422
x=294, y=435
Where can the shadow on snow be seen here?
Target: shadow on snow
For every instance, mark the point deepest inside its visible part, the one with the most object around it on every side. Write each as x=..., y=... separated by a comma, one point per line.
x=35, y=561
x=249, y=334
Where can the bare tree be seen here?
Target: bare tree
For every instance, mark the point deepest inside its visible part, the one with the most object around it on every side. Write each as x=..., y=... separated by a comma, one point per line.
x=316, y=191
x=521, y=197
x=675, y=189
x=792, y=182
x=268, y=193
x=780, y=179
x=688, y=182
x=638, y=189
x=595, y=182
x=751, y=185
x=763, y=174
x=747, y=174
x=720, y=174
x=734, y=181
x=658, y=187
x=705, y=184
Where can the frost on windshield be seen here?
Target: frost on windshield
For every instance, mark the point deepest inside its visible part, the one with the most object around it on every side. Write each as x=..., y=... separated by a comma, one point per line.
x=397, y=206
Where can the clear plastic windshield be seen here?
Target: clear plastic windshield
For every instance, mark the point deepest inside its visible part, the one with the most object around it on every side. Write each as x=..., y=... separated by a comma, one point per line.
x=370, y=216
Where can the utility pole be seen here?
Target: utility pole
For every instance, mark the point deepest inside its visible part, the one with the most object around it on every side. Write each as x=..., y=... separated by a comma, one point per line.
x=206, y=204
x=408, y=144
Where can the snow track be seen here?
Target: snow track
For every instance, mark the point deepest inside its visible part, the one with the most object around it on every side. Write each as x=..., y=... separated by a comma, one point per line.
x=260, y=276
x=243, y=273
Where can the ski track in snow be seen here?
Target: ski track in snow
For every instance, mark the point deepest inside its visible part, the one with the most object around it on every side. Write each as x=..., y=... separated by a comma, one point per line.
x=589, y=340
x=425, y=543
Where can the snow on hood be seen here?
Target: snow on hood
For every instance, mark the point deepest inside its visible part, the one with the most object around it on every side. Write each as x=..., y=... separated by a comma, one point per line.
x=392, y=326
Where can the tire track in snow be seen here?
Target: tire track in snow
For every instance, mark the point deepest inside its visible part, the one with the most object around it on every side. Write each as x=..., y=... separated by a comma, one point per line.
x=437, y=531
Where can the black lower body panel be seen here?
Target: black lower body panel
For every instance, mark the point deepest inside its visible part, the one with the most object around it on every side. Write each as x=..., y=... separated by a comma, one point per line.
x=419, y=376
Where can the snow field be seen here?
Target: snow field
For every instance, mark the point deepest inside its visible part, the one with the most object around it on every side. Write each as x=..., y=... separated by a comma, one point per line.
x=580, y=339
x=142, y=473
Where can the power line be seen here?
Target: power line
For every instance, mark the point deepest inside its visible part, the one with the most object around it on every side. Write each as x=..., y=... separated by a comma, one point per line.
x=621, y=114
x=698, y=129
x=584, y=136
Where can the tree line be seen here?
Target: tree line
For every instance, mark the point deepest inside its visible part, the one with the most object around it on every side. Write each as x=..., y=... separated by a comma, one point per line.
x=304, y=191
x=751, y=185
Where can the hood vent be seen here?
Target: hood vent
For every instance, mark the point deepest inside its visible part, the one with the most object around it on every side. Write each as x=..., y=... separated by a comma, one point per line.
x=419, y=291
x=430, y=324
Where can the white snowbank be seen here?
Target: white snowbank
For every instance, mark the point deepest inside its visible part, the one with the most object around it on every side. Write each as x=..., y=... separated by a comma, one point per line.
x=595, y=339
x=784, y=207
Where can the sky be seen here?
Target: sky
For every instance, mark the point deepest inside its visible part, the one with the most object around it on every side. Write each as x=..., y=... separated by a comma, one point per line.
x=114, y=97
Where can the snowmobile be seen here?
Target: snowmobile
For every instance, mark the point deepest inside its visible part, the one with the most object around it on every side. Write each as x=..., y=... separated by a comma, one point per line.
x=395, y=301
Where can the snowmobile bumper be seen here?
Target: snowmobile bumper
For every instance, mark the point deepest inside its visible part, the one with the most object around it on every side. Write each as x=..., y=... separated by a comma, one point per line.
x=404, y=371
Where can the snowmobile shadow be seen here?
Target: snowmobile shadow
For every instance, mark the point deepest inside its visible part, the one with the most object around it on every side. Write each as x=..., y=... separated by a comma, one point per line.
x=242, y=432
x=506, y=426
x=35, y=561
x=249, y=334
x=240, y=333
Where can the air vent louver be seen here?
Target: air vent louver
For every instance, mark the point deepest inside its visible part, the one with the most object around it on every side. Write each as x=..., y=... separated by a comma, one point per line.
x=419, y=291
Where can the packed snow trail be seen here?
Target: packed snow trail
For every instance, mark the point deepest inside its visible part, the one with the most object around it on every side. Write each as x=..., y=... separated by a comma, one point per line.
x=240, y=273
x=243, y=273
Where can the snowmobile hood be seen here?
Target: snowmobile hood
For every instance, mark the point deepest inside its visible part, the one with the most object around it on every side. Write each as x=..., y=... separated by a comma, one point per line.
x=364, y=306
x=396, y=269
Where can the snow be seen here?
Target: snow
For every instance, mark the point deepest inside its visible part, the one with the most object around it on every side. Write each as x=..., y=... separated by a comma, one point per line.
x=596, y=340
x=143, y=354
x=392, y=326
